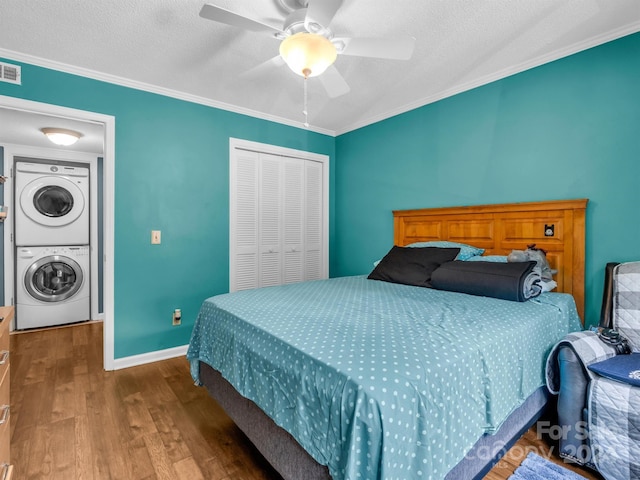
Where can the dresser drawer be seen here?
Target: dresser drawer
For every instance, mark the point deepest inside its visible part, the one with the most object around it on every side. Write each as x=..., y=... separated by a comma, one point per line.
x=6, y=469
x=4, y=391
x=4, y=373
x=4, y=349
x=4, y=376
x=5, y=434
x=4, y=417
x=4, y=338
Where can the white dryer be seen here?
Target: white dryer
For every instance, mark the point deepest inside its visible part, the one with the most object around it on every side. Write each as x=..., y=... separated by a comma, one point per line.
x=52, y=204
x=52, y=286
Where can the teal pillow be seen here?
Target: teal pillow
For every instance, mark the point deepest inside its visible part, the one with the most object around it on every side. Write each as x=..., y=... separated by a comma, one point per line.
x=466, y=251
x=489, y=258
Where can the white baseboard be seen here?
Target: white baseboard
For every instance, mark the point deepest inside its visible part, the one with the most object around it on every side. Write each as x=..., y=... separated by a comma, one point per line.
x=133, y=360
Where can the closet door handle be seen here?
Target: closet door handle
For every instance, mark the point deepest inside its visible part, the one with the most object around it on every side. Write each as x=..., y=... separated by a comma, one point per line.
x=5, y=414
x=5, y=357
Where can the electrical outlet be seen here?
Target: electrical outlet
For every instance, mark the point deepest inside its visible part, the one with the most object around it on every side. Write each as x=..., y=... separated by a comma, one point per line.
x=549, y=230
x=155, y=237
x=177, y=317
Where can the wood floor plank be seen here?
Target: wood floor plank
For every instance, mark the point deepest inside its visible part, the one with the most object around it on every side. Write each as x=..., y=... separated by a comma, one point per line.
x=138, y=416
x=140, y=462
x=72, y=420
x=153, y=387
x=36, y=372
x=109, y=432
x=64, y=370
x=83, y=456
x=46, y=388
x=62, y=458
x=63, y=405
x=187, y=469
x=177, y=449
x=80, y=336
x=126, y=383
x=196, y=441
x=182, y=386
x=37, y=465
x=159, y=458
x=80, y=389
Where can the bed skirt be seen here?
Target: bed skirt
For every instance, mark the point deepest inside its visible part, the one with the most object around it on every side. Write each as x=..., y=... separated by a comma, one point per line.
x=291, y=461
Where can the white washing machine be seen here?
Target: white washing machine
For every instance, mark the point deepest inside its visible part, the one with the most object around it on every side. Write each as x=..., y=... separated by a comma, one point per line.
x=52, y=286
x=51, y=204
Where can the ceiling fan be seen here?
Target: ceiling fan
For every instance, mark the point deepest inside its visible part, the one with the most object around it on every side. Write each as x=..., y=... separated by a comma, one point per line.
x=308, y=45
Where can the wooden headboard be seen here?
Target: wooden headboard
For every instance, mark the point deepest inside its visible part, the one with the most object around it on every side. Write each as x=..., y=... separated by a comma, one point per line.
x=558, y=227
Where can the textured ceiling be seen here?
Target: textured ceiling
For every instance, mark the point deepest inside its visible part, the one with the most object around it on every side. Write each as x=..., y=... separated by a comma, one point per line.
x=165, y=46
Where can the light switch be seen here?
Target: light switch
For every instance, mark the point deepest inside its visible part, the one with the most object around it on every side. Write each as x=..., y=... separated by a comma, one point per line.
x=155, y=237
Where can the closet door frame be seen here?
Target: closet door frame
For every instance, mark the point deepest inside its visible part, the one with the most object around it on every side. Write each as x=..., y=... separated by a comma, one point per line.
x=235, y=145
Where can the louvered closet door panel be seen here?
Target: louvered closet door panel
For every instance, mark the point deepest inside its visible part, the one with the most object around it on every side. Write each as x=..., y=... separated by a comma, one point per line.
x=293, y=220
x=313, y=260
x=244, y=201
x=277, y=222
x=270, y=234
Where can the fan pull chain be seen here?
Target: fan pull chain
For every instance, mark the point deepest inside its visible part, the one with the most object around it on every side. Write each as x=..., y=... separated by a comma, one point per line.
x=305, y=110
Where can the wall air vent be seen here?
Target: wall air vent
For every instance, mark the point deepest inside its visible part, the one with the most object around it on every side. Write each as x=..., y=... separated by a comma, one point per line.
x=10, y=73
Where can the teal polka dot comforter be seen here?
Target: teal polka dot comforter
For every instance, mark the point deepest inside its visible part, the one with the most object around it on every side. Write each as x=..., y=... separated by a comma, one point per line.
x=379, y=380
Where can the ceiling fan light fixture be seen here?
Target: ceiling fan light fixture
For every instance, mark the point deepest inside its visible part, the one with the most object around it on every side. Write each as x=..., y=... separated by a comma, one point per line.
x=308, y=54
x=61, y=136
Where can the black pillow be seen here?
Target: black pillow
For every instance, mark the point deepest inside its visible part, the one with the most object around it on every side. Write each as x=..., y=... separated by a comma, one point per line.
x=516, y=281
x=412, y=266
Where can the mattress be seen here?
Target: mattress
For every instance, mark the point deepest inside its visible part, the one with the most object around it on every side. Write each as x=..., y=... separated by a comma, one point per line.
x=380, y=380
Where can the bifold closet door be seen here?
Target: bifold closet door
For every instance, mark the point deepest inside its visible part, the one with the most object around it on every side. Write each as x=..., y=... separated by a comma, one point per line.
x=313, y=221
x=293, y=209
x=276, y=220
x=243, y=224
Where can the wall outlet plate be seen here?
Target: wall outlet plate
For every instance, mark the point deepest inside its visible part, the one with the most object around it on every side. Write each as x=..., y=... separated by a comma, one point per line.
x=549, y=230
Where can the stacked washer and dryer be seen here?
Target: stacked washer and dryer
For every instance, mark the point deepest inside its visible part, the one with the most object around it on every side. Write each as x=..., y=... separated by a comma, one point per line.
x=52, y=244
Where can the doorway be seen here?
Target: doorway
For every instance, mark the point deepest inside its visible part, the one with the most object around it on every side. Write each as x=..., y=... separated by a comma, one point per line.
x=27, y=137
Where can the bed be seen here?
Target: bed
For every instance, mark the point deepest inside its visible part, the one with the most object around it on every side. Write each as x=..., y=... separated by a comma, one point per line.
x=358, y=378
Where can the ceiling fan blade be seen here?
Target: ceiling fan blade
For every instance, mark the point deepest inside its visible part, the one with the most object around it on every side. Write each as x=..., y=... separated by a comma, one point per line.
x=263, y=68
x=333, y=82
x=391, y=48
x=320, y=13
x=221, y=15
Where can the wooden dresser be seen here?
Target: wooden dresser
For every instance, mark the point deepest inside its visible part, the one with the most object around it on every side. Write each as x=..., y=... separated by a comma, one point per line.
x=6, y=469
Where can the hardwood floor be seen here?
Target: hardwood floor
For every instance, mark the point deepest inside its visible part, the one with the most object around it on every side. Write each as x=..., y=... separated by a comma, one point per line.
x=531, y=443
x=72, y=420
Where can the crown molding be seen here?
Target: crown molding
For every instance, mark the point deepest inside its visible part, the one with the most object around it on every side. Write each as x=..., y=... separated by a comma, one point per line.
x=507, y=72
x=146, y=87
x=515, y=69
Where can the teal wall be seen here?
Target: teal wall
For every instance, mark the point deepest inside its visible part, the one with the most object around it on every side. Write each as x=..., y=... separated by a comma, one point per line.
x=568, y=129
x=171, y=174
